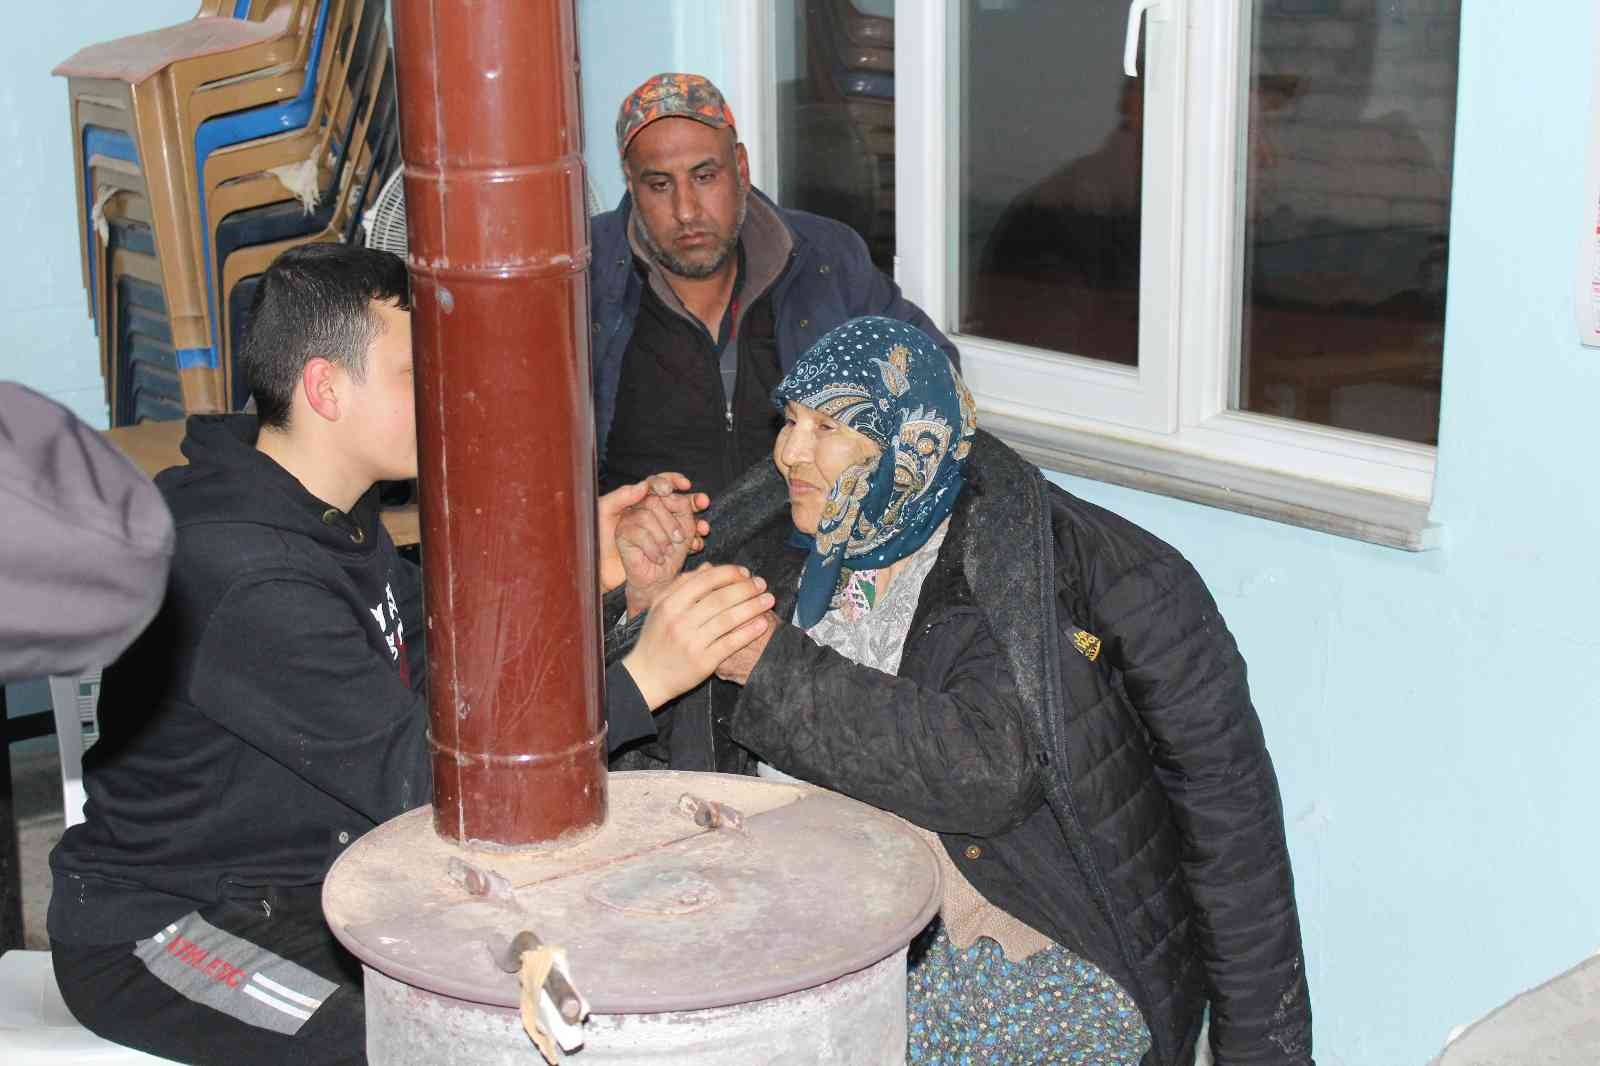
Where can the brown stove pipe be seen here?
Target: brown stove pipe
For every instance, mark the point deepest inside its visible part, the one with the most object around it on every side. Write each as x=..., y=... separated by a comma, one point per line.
x=499, y=251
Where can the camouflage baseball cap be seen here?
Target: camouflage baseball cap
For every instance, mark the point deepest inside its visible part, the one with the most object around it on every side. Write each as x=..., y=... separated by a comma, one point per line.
x=669, y=96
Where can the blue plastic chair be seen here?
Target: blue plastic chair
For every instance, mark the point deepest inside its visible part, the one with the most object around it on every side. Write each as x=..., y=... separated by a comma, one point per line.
x=229, y=231
x=115, y=144
x=237, y=128
x=259, y=40
x=284, y=219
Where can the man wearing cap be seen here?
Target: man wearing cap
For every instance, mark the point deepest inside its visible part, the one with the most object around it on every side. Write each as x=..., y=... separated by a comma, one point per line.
x=703, y=292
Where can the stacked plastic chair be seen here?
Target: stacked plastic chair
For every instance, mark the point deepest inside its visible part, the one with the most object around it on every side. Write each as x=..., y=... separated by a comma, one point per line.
x=181, y=137
x=850, y=120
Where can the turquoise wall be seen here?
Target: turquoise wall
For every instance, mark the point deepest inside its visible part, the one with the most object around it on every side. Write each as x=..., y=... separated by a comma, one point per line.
x=1433, y=716
x=46, y=337
x=622, y=44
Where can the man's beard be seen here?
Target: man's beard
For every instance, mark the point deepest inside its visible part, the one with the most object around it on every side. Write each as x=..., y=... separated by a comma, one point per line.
x=696, y=271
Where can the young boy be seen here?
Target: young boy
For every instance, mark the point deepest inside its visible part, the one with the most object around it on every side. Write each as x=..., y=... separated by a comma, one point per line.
x=275, y=709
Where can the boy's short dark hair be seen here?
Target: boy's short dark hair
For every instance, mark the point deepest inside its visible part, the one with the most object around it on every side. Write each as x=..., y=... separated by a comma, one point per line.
x=313, y=301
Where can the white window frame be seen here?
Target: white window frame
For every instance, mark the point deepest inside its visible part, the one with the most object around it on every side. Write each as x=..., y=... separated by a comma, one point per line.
x=1166, y=426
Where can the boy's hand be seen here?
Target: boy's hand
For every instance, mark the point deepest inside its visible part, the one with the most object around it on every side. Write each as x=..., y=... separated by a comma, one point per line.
x=701, y=619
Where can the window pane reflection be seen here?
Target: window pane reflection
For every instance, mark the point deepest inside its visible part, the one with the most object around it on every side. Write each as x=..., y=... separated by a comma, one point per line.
x=835, y=61
x=1347, y=163
x=1051, y=153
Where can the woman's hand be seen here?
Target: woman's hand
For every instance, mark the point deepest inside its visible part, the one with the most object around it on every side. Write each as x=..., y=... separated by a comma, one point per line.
x=655, y=536
x=667, y=498
x=737, y=667
x=701, y=619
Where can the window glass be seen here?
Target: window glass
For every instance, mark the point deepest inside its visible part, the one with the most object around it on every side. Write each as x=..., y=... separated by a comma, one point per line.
x=1049, y=173
x=835, y=84
x=1347, y=162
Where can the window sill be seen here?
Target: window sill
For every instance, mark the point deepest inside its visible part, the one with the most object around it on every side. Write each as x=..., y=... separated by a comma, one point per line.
x=1392, y=521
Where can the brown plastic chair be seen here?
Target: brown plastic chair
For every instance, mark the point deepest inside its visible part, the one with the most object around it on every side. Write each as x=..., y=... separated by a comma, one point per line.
x=109, y=175
x=873, y=31
x=124, y=207
x=127, y=264
x=258, y=10
x=156, y=135
x=131, y=205
x=261, y=187
x=122, y=263
x=264, y=88
x=863, y=42
x=227, y=165
x=358, y=181
x=114, y=113
x=202, y=96
x=214, y=49
x=268, y=68
x=275, y=37
x=149, y=123
x=136, y=58
x=118, y=173
x=861, y=57
x=235, y=178
x=152, y=77
x=246, y=262
x=845, y=39
x=94, y=111
x=119, y=205
x=121, y=196
x=240, y=180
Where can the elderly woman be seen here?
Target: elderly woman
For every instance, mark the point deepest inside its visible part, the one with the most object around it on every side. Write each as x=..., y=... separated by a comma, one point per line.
x=1045, y=688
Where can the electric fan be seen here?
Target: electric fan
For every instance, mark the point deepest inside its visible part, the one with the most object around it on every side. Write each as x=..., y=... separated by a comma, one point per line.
x=385, y=221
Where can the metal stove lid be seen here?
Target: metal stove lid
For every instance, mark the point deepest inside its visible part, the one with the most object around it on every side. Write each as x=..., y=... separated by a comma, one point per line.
x=655, y=912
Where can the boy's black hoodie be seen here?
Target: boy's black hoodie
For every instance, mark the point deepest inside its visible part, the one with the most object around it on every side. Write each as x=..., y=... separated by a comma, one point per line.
x=271, y=714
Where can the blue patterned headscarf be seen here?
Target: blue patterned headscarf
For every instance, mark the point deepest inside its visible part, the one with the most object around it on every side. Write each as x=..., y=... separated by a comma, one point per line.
x=891, y=383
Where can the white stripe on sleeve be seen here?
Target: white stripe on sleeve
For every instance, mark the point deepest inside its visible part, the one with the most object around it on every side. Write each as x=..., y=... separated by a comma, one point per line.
x=276, y=1004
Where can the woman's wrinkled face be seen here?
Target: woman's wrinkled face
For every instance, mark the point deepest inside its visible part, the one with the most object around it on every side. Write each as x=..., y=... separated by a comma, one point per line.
x=812, y=450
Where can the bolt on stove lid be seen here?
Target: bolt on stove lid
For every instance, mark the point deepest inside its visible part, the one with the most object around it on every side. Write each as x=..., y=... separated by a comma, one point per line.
x=701, y=890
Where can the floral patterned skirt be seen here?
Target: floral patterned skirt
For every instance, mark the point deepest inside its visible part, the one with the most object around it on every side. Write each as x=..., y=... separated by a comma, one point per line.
x=975, y=1006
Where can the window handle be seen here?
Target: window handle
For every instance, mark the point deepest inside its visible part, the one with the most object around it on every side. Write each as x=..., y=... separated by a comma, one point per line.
x=1130, y=46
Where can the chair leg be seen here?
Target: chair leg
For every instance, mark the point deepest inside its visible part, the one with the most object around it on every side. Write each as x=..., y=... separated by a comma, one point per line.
x=10, y=867
x=69, y=702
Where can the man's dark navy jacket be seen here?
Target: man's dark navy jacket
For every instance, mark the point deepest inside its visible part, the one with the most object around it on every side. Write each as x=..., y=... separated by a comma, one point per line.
x=829, y=280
